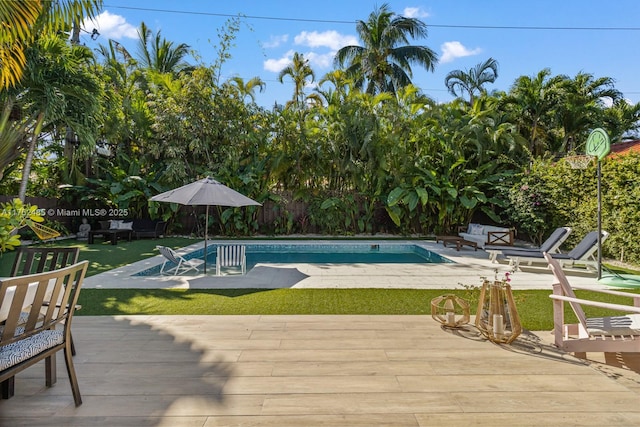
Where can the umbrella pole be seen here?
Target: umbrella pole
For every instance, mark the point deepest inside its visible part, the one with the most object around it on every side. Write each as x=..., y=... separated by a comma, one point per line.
x=206, y=231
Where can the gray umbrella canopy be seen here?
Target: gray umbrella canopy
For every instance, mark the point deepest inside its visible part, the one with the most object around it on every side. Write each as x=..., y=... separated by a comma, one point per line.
x=205, y=192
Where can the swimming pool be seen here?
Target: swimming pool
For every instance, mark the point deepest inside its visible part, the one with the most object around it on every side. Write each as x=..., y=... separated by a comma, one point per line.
x=318, y=253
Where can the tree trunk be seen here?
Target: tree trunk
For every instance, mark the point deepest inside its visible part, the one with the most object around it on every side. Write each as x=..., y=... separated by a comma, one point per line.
x=27, y=163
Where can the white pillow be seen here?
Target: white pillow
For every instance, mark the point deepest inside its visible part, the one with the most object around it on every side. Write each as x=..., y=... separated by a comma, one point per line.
x=114, y=224
x=126, y=225
x=476, y=229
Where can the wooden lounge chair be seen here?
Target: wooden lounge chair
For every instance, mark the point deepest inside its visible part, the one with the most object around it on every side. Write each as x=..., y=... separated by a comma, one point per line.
x=181, y=264
x=582, y=254
x=551, y=245
x=231, y=256
x=615, y=334
x=35, y=314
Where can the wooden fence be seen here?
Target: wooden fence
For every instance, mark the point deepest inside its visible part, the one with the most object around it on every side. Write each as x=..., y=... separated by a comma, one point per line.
x=71, y=216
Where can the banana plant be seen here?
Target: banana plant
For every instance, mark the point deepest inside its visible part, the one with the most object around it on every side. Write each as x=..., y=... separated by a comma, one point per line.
x=404, y=200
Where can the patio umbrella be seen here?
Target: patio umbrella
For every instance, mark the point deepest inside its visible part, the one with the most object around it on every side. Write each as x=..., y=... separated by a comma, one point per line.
x=205, y=192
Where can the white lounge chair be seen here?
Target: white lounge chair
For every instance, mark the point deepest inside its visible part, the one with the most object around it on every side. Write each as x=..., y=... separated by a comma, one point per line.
x=182, y=265
x=582, y=254
x=231, y=256
x=615, y=334
x=551, y=245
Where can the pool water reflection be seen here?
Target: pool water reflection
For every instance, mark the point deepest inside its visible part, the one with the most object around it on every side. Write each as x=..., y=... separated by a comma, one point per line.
x=298, y=253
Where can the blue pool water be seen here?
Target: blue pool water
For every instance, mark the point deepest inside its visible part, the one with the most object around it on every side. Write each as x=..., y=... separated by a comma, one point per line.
x=291, y=253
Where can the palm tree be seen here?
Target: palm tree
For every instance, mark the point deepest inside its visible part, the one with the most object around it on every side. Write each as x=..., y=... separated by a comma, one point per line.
x=342, y=87
x=125, y=104
x=58, y=89
x=12, y=135
x=622, y=120
x=23, y=15
x=384, y=62
x=301, y=73
x=29, y=18
x=249, y=87
x=159, y=54
x=532, y=100
x=472, y=82
x=584, y=98
x=112, y=51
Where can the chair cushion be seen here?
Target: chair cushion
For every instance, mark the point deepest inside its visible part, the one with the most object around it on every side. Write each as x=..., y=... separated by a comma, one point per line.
x=628, y=324
x=14, y=353
x=24, y=317
x=476, y=229
x=19, y=330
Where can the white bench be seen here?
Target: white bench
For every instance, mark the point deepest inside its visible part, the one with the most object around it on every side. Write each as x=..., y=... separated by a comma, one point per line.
x=486, y=234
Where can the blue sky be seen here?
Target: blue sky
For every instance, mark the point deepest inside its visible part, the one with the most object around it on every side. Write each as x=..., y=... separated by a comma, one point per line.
x=573, y=36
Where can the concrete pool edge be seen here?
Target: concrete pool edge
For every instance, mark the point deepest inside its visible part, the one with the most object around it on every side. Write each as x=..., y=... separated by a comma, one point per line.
x=288, y=252
x=468, y=267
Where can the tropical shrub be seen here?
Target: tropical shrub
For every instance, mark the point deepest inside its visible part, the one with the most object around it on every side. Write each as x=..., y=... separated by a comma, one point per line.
x=552, y=194
x=13, y=216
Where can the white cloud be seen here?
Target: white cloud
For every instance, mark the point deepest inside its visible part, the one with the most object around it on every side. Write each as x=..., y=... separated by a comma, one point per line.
x=277, y=65
x=453, y=50
x=608, y=102
x=313, y=39
x=316, y=61
x=320, y=60
x=331, y=39
x=275, y=41
x=414, y=12
x=111, y=26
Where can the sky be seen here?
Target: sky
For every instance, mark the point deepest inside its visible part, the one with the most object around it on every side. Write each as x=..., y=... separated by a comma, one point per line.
x=567, y=36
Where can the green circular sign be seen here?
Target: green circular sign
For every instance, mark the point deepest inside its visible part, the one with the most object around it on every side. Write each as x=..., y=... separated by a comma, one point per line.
x=598, y=144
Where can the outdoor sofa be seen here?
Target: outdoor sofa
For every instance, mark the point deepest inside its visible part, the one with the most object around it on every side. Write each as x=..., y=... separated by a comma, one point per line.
x=129, y=229
x=148, y=228
x=486, y=234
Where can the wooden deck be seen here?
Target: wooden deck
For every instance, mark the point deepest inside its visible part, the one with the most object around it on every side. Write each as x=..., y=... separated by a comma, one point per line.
x=318, y=370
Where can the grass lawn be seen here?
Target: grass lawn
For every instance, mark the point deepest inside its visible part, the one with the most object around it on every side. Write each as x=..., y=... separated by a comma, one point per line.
x=105, y=256
x=534, y=306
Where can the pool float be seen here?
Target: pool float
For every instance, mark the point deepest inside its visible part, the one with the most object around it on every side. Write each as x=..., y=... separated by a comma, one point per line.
x=621, y=280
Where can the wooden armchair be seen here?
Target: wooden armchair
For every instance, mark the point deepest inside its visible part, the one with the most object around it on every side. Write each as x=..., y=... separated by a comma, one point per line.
x=614, y=334
x=487, y=234
x=35, y=323
x=33, y=259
